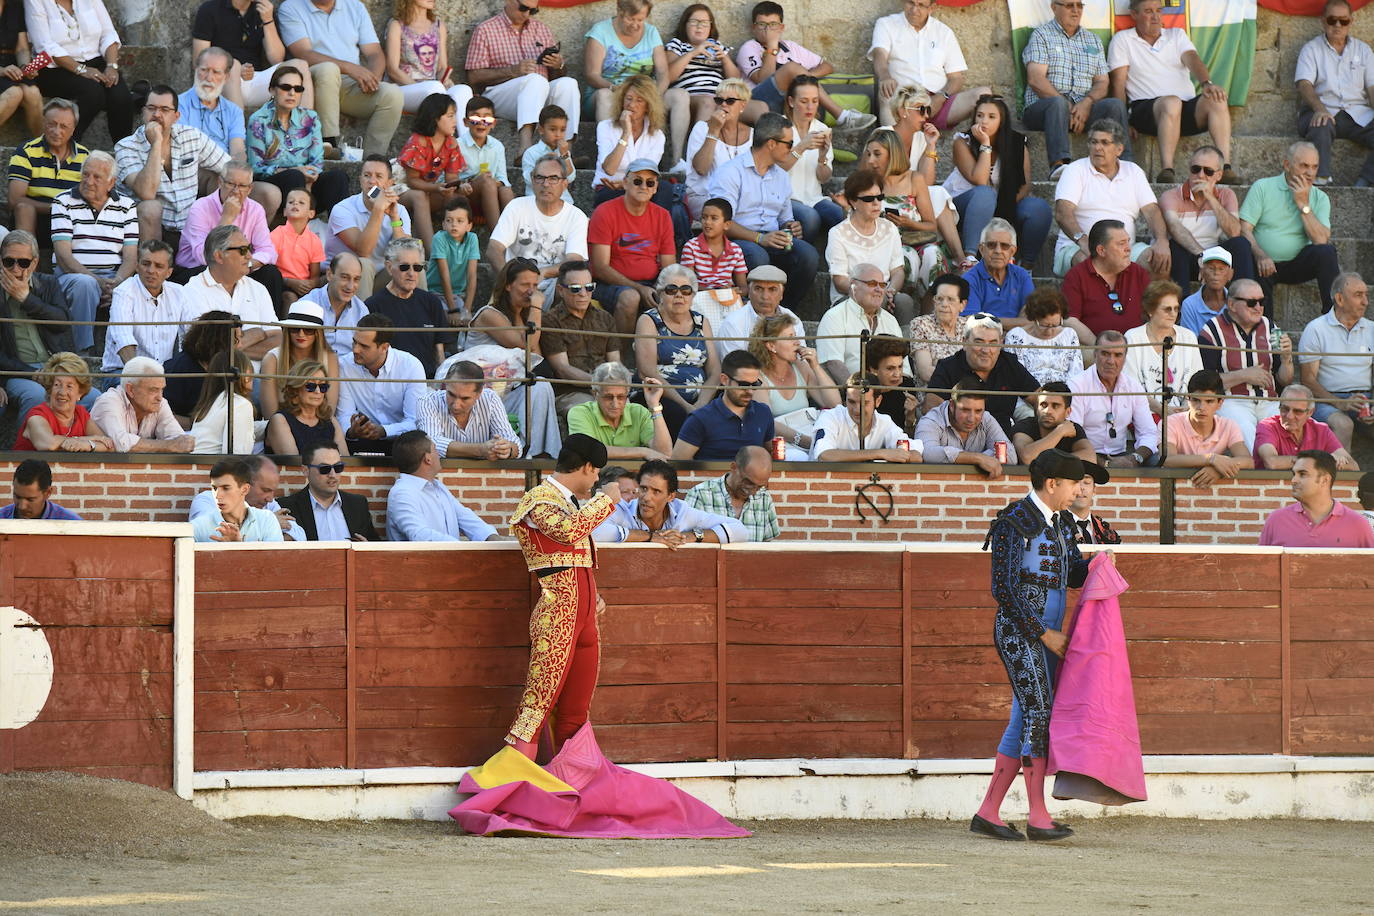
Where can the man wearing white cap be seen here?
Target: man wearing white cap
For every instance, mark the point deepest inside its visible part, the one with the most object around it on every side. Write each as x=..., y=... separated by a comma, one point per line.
x=630, y=240
x=767, y=287
x=1209, y=301
x=1201, y=214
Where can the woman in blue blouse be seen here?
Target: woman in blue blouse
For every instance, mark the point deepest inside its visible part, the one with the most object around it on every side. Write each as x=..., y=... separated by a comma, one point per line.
x=1035, y=561
x=286, y=148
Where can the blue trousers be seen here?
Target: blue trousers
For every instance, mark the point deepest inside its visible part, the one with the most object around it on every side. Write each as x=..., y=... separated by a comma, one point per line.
x=83, y=295
x=798, y=262
x=1013, y=743
x=978, y=205
x=817, y=219
x=1051, y=115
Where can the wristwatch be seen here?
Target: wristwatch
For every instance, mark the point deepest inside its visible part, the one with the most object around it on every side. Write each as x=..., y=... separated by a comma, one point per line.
x=81, y=69
x=113, y=65
x=1078, y=237
x=1306, y=210
x=696, y=533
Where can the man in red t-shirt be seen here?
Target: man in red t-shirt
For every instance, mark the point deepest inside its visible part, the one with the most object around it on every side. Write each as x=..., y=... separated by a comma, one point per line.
x=631, y=240
x=1104, y=291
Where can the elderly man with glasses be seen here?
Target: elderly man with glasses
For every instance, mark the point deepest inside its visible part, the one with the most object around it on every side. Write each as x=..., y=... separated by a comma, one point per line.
x=1254, y=357
x=578, y=335
x=323, y=511
x=998, y=369
x=1280, y=438
x=1204, y=216
x=628, y=430
x=1066, y=83
x=1334, y=78
x=630, y=240
x=839, y=337
x=225, y=284
x=996, y=285
x=1112, y=419
x=231, y=205
x=408, y=306
x=742, y=493
x=543, y=226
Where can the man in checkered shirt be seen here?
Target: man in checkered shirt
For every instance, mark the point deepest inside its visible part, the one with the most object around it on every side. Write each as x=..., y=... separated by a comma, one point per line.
x=741, y=493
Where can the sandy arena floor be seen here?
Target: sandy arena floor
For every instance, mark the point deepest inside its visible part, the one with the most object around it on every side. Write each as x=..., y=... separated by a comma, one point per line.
x=73, y=844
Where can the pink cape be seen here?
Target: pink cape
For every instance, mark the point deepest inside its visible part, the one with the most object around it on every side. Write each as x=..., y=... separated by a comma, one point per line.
x=581, y=794
x=1094, y=736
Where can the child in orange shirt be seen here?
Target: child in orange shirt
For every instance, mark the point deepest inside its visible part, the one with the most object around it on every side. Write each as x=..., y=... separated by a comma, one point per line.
x=299, y=251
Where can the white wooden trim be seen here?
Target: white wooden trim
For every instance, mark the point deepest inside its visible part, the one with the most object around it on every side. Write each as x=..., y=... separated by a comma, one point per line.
x=102, y=529
x=183, y=665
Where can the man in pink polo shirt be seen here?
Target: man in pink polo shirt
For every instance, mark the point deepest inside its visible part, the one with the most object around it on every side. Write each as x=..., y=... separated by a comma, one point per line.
x=1316, y=519
x=1279, y=438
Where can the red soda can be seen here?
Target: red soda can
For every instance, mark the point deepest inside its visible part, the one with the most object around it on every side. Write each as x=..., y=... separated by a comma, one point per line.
x=1364, y=411
x=1001, y=451
x=779, y=448
x=904, y=444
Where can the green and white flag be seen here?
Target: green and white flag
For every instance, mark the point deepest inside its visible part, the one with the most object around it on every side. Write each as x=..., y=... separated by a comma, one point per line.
x=1222, y=30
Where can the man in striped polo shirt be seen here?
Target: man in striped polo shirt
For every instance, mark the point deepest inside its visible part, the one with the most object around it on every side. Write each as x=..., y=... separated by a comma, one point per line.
x=45, y=166
x=94, y=240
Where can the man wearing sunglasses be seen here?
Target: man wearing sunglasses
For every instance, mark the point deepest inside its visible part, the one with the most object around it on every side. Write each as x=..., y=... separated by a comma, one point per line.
x=631, y=241
x=1334, y=76
x=574, y=356
x=225, y=284
x=1204, y=215
x=1251, y=368
x=327, y=513
x=731, y=421
x=408, y=306
x=760, y=192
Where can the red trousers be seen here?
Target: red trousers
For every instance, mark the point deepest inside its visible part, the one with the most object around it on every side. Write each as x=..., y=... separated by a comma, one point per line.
x=565, y=657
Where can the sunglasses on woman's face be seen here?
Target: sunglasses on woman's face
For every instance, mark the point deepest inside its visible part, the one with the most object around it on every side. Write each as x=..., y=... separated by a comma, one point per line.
x=321, y=387
x=868, y=198
x=723, y=101
x=674, y=290
x=290, y=87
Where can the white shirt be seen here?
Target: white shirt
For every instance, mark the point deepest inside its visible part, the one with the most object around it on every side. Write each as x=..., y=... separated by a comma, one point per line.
x=925, y=58
x=131, y=301
x=114, y=413
x=835, y=428
x=740, y=323
x=389, y=404
x=487, y=420
x=354, y=213
x=806, y=188
x=1341, y=81
x=847, y=317
x=212, y=430
x=1098, y=197
x=249, y=300
x=847, y=248
x=1126, y=410
x=547, y=240
x=1044, y=509
x=1156, y=69
x=82, y=35
x=700, y=185
x=1145, y=368
x=330, y=524
x=204, y=502
x=648, y=145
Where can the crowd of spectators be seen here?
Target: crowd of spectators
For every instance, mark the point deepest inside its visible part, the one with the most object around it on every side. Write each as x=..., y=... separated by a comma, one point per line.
x=256, y=306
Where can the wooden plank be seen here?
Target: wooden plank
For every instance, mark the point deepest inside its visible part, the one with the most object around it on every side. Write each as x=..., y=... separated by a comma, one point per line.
x=953, y=626
x=267, y=569
x=273, y=627
x=141, y=742
x=845, y=599
x=269, y=750
x=1215, y=696
x=1204, y=659
x=428, y=747
x=1204, y=622
x=1331, y=614
x=815, y=739
x=815, y=703
x=956, y=665
x=110, y=650
x=514, y=601
x=351, y=659
x=723, y=672
x=270, y=669
x=95, y=602
x=292, y=710
x=1315, y=567
x=636, y=593
x=436, y=628
x=908, y=745
x=1333, y=697
x=1353, y=658
x=814, y=626
x=1192, y=599
x=636, y=704
x=837, y=567
x=42, y=556
x=663, y=622
x=437, y=570
x=692, y=568
x=943, y=739
x=957, y=702
x=1333, y=735
x=1187, y=571
x=814, y=665
x=89, y=697
x=6, y=600
x=1209, y=734
x=441, y=667
x=1286, y=650
x=438, y=707
x=658, y=664
x=282, y=597
x=658, y=743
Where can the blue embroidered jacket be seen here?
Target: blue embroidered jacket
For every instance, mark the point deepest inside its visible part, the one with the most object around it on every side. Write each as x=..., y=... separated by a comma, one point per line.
x=1028, y=560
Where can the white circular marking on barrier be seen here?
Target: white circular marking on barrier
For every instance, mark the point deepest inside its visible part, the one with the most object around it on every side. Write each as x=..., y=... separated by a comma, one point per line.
x=25, y=668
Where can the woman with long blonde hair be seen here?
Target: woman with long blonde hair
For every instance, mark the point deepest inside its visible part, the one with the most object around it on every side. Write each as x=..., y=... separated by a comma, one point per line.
x=793, y=378
x=633, y=131
x=302, y=338
x=306, y=417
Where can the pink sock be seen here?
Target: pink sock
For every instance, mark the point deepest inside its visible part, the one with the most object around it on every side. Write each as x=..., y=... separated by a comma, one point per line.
x=1035, y=794
x=1003, y=775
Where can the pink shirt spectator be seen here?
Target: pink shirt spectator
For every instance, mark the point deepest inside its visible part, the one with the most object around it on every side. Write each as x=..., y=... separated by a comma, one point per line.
x=1315, y=434
x=204, y=216
x=1196, y=214
x=1184, y=441
x=114, y=413
x=495, y=44
x=713, y=272
x=750, y=57
x=296, y=251
x=1290, y=527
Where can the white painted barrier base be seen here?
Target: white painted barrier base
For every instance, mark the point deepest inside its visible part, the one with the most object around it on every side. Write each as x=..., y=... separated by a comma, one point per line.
x=1206, y=787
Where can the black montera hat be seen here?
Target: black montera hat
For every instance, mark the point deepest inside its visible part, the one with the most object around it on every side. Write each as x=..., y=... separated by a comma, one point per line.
x=587, y=449
x=1053, y=462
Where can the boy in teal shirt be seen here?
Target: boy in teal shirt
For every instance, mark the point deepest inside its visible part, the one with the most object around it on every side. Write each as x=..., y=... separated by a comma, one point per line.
x=452, y=271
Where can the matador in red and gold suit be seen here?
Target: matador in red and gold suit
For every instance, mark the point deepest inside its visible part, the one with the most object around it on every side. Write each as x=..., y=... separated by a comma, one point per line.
x=553, y=524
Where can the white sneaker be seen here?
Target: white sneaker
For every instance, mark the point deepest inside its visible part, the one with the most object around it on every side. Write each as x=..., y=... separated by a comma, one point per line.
x=1322, y=181
x=679, y=169
x=855, y=120
x=1057, y=171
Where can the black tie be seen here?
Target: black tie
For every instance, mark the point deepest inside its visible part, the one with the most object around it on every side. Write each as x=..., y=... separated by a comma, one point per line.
x=576, y=504
x=1086, y=537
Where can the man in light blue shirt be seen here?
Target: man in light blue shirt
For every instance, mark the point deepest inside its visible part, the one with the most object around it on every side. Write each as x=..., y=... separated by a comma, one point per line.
x=234, y=520
x=419, y=507
x=1338, y=356
x=204, y=107
x=760, y=193
x=264, y=478
x=381, y=388
x=340, y=301
x=337, y=40
x=1216, y=274
x=659, y=516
